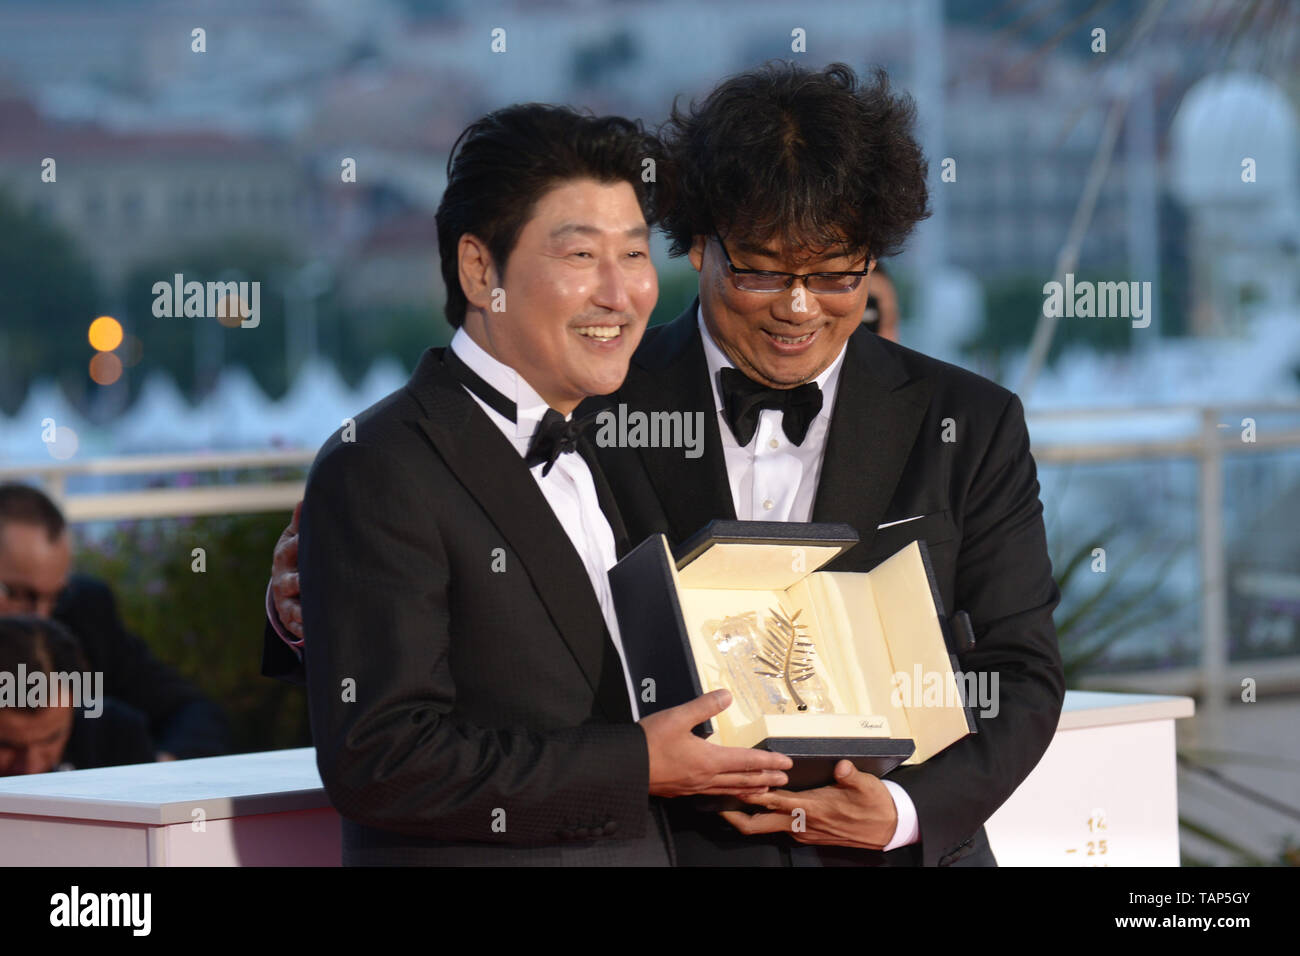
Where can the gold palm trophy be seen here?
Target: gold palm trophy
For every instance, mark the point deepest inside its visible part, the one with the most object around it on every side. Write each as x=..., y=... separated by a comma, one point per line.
x=770, y=668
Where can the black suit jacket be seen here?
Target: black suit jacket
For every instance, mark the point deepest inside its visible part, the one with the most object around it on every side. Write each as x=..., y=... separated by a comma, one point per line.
x=462, y=714
x=118, y=736
x=886, y=460
x=181, y=720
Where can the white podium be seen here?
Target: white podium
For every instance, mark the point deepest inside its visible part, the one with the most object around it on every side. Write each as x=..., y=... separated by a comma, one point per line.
x=260, y=809
x=1104, y=794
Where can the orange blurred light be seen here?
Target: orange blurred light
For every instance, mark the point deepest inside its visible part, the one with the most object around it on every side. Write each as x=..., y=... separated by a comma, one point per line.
x=105, y=368
x=231, y=311
x=105, y=333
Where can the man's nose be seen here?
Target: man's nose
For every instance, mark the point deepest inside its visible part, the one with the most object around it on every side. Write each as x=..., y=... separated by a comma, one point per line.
x=611, y=288
x=796, y=304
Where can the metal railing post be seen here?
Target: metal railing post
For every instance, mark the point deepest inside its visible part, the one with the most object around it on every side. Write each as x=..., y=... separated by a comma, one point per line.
x=1214, y=584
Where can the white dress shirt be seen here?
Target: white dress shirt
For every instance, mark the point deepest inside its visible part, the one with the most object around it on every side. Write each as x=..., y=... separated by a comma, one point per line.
x=568, y=488
x=773, y=479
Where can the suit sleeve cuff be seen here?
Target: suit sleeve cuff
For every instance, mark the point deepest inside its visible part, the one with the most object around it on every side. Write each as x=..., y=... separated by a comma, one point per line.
x=274, y=618
x=908, y=830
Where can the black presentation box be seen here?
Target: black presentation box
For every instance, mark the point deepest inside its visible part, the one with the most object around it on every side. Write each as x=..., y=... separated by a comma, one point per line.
x=820, y=664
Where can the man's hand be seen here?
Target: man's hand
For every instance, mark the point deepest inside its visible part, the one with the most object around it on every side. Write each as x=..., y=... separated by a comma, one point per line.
x=681, y=763
x=284, y=577
x=856, y=811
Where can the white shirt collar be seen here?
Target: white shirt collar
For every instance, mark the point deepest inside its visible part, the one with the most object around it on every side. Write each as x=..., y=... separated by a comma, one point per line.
x=828, y=381
x=529, y=406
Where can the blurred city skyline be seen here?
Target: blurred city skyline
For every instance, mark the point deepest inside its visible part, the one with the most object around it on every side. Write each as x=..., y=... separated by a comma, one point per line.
x=229, y=161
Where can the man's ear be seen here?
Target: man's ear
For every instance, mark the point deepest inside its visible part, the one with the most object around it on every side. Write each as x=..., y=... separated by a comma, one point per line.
x=696, y=253
x=478, y=275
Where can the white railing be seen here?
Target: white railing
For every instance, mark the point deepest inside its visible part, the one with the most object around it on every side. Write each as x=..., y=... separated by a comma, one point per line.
x=1208, y=445
x=240, y=498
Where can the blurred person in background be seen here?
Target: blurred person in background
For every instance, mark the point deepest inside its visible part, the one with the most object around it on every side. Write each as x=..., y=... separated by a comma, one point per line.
x=881, y=316
x=57, y=731
x=36, y=578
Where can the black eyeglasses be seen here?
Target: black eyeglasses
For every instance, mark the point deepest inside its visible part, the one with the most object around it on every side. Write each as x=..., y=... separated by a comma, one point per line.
x=764, y=280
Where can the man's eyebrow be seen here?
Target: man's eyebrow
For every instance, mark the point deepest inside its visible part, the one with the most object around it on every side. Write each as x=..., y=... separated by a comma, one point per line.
x=584, y=229
x=754, y=249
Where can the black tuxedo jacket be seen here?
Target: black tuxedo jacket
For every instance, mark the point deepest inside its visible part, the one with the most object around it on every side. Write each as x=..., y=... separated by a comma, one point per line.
x=466, y=702
x=886, y=460
x=180, y=719
x=118, y=736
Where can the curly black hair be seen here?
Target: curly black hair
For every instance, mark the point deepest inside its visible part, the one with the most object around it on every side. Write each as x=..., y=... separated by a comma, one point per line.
x=811, y=158
x=503, y=163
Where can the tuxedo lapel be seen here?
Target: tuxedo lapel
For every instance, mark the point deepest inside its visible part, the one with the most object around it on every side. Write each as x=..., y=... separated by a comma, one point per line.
x=669, y=374
x=878, y=412
x=493, y=472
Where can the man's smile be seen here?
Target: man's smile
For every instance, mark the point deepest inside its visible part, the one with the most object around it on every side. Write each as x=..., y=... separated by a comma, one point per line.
x=792, y=344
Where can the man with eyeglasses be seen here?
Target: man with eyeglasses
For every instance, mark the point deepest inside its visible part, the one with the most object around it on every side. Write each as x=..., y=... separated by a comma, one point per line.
x=789, y=183
x=36, y=579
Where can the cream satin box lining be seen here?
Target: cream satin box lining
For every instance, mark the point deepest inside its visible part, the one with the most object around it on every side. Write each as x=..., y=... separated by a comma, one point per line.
x=866, y=628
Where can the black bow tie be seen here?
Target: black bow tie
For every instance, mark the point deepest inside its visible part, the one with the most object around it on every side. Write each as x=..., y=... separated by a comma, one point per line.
x=554, y=435
x=743, y=399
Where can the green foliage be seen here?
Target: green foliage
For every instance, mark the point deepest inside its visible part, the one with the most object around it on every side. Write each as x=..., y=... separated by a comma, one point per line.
x=169, y=343
x=678, y=285
x=355, y=340
x=208, y=625
x=349, y=338
x=1241, y=855
x=50, y=298
x=1012, y=308
x=1088, y=627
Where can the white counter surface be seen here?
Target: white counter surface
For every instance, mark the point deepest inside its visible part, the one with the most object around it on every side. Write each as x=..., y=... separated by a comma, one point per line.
x=273, y=781
x=1085, y=708
x=277, y=781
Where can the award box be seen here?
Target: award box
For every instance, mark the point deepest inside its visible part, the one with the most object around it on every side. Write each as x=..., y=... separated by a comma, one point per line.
x=819, y=663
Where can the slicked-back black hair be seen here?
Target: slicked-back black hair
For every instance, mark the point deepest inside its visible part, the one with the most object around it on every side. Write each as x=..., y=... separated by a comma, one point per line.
x=505, y=162
x=810, y=158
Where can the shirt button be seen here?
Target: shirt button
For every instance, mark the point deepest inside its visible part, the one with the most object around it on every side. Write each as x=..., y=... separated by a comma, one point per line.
x=768, y=505
x=773, y=444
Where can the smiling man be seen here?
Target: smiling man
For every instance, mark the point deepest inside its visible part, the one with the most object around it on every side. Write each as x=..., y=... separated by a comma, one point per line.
x=469, y=701
x=790, y=183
